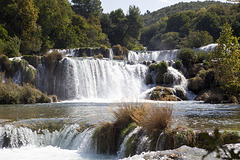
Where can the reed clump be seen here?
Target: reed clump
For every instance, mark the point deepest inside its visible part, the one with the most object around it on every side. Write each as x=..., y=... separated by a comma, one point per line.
x=153, y=118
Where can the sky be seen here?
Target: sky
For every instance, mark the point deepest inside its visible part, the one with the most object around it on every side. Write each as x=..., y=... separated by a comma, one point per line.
x=144, y=5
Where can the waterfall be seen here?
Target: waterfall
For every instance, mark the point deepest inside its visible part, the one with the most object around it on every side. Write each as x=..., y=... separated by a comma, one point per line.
x=110, y=53
x=153, y=55
x=91, y=79
x=179, y=82
x=67, y=138
x=121, y=152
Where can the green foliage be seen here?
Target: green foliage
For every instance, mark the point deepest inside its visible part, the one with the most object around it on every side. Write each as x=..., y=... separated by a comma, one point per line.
x=127, y=130
x=11, y=93
x=153, y=17
x=162, y=67
x=187, y=56
x=131, y=146
x=202, y=56
x=194, y=24
x=12, y=47
x=226, y=61
x=87, y=8
x=178, y=64
x=197, y=39
x=105, y=138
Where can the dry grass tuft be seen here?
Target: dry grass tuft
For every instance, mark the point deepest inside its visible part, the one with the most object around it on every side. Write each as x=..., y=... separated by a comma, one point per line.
x=122, y=114
x=151, y=117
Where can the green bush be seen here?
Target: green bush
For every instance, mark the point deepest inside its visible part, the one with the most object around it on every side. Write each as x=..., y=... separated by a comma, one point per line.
x=196, y=84
x=12, y=47
x=11, y=93
x=187, y=56
x=201, y=56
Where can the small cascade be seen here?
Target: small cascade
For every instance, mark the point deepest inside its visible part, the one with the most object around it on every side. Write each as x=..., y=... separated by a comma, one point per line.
x=121, y=152
x=152, y=55
x=178, y=81
x=80, y=79
x=209, y=48
x=110, y=53
x=69, y=137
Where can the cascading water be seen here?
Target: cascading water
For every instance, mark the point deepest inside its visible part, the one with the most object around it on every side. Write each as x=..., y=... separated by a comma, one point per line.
x=179, y=82
x=67, y=138
x=103, y=79
x=154, y=55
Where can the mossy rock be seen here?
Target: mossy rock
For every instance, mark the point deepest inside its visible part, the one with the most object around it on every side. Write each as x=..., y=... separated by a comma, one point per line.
x=32, y=60
x=163, y=94
x=149, y=79
x=30, y=75
x=181, y=93
x=159, y=78
x=162, y=67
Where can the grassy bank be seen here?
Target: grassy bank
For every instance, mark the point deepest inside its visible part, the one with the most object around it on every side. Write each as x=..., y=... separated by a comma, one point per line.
x=11, y=93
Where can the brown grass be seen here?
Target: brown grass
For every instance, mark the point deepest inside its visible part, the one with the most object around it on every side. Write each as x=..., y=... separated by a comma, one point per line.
x=151, y=117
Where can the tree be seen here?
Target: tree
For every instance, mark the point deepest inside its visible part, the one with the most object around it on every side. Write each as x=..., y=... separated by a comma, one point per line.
x=226, y=61
x=87, y=7
x=197, y=39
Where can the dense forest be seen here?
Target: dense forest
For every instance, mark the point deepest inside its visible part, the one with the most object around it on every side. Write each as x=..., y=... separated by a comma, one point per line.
x=35, y=26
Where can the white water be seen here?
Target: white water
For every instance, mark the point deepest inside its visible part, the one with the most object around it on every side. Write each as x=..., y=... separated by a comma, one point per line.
x=163, y=55
x=25, y=144
x=93, y=79
x=179, y=81
x=153, y=55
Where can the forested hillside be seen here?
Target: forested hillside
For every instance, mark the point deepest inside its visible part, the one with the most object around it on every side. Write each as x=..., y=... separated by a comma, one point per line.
x=35, y=26
x=152, y=17
x=190, y=28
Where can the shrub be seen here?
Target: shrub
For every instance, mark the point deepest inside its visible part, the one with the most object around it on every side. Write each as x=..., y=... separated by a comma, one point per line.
x=201, y=56
x=117, y=50
x=196, y=84
x=52, y=60
x=99, y=56
x=152, y=118
x=12, y=47
x=152, y=67
x=11, y=93
x=187, y=56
